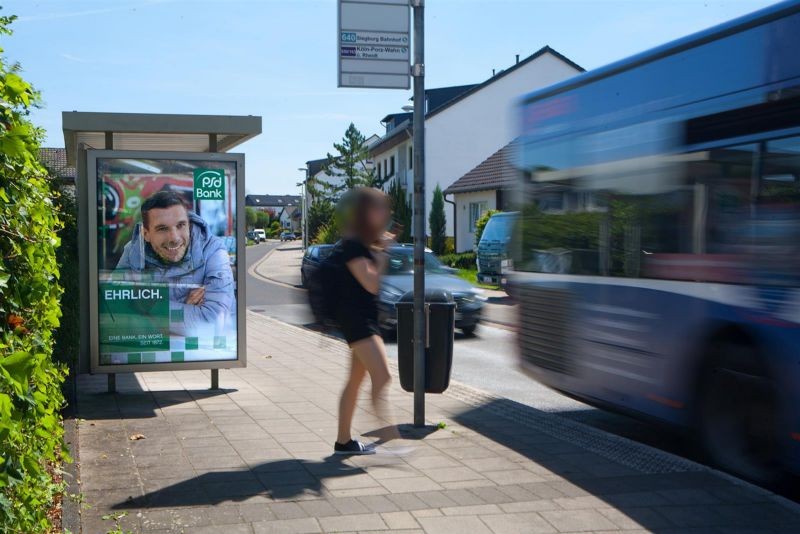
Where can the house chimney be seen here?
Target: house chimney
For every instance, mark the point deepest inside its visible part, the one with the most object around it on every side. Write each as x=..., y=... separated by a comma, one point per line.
x=492, y=72
x=517, y=58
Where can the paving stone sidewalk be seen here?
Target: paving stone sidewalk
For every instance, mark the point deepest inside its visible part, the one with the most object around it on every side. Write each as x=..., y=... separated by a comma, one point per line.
x=165, y=454
x=282, y=264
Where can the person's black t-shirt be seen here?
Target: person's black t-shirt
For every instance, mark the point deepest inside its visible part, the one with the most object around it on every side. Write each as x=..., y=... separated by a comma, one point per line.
x=356, y=304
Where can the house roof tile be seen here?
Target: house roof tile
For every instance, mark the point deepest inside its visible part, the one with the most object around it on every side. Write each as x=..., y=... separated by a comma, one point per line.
x=495, y=172
x=55, y=160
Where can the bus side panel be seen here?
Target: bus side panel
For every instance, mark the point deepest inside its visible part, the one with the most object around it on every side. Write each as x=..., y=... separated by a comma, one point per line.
x=779, y=345
x=626, y=345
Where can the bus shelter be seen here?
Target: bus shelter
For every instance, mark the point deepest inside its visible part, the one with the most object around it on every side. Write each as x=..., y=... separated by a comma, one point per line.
x=161, y=225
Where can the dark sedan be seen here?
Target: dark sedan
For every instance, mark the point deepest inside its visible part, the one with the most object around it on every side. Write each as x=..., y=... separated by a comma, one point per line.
x=311, y=259
x=399, y=279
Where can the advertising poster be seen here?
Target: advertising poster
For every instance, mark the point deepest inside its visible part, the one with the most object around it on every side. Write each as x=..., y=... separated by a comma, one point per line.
x=166, y=261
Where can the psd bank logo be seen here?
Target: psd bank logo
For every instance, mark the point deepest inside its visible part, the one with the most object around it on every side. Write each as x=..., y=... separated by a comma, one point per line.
x=209, y=184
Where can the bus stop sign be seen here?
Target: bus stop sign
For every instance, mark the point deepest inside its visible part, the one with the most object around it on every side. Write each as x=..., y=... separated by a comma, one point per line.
x=373, y=45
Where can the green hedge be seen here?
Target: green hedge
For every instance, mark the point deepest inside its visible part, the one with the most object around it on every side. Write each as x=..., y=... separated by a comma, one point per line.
x=464, y=260
x=31, y=434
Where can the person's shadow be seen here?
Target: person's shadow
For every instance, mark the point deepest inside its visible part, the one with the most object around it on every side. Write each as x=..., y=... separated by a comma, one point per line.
x=279, y=480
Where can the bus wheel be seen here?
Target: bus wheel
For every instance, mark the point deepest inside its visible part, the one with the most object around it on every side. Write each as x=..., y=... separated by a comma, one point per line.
x=738, y=415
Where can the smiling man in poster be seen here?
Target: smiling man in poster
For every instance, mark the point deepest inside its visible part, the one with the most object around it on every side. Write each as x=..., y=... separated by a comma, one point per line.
x=174, y=246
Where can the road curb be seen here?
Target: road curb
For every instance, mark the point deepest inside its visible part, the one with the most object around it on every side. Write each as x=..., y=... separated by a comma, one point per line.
x=253, y=271
x=70, y=500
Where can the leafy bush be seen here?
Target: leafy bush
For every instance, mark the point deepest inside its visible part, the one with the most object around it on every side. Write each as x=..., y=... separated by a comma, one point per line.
x=274, y=230
x=320, y=213
x=66, y=338
x=465, y=260
x=328, y=234
x=449, y=245
x=31, y=435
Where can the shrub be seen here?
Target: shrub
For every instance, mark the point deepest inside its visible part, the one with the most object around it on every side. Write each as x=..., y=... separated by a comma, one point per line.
x=320, y=213
x=274, y=230
x=66, y=338
x=328, y=234
x=31, y=435
x=465, y=260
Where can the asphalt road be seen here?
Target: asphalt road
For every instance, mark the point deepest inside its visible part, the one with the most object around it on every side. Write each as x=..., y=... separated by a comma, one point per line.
x=485, y=361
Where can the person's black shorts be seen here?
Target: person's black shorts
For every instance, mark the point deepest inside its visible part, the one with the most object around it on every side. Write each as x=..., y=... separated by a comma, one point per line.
x=355, y=327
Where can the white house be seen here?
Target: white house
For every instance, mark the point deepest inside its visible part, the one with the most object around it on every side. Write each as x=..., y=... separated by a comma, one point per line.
x=285, y=207
x=464, y=130
x=489, y=186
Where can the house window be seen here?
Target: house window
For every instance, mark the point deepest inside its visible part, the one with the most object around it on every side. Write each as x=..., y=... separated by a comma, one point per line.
x=476, y=209
x=411, y=157
x=379, y=172
x=385, y=169
x=391, y=166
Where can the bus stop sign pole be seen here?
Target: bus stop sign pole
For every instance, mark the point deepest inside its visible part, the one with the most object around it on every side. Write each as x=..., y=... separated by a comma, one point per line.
x=418, y=72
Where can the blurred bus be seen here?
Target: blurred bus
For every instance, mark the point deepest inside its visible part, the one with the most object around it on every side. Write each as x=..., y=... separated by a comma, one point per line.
x=657, y=264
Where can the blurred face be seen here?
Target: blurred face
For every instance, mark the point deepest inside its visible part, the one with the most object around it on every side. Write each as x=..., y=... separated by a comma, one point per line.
x=167, y=231
x=377, y=217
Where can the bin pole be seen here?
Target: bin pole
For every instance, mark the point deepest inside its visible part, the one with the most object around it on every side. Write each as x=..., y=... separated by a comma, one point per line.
x=418, y=71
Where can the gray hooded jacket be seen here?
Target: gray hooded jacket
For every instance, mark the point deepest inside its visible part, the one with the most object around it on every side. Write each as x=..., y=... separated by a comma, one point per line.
x=206, y=264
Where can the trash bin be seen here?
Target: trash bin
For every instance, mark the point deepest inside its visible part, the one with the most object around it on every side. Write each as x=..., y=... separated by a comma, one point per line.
x=440, y=316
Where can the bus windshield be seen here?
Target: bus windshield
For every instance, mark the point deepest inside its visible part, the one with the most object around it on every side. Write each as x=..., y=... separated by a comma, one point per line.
x=499, y=227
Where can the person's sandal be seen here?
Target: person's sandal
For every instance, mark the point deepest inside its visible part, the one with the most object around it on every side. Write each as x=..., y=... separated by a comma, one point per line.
x=352, y=447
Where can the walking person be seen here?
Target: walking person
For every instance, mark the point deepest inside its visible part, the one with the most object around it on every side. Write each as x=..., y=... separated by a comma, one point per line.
x=361, y=258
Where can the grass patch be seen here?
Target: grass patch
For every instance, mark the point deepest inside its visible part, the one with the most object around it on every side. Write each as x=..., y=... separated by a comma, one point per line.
x=471, y=276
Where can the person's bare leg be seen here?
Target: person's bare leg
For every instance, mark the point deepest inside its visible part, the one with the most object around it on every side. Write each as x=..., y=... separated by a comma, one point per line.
x=371, y=352
x=347, y=403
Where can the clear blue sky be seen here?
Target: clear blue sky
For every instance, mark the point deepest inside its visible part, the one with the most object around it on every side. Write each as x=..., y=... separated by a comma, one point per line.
x=277, y=59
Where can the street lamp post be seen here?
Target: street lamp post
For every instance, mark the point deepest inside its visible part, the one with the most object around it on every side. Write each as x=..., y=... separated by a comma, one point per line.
x=304, y=207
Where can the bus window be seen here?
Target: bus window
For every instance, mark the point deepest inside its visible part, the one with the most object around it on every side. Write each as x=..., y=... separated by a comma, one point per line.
x=775, y=226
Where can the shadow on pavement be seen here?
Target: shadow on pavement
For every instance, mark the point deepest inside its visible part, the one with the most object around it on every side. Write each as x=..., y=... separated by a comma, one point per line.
x=131, y=401
x=279, y=479
x=502, y=301
x=654, y=494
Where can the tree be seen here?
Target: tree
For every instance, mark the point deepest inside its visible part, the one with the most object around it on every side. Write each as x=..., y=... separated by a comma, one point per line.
x=438, y=222
x=262, y=219
x=321, y=213
x=347, y=170
x=401, y=211
x=274, y=229
x=250, y=217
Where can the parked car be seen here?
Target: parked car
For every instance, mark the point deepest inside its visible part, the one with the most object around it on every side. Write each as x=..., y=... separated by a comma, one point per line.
x=311, y=259
x=399, y=279
x=287, y=236
x=253, y=236
x=262, y=235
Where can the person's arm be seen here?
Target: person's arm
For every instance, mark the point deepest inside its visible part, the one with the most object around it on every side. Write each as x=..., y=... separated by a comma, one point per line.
x=217, y=297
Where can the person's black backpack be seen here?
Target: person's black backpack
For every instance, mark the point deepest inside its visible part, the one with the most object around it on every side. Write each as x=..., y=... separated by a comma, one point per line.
x=323, y=292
